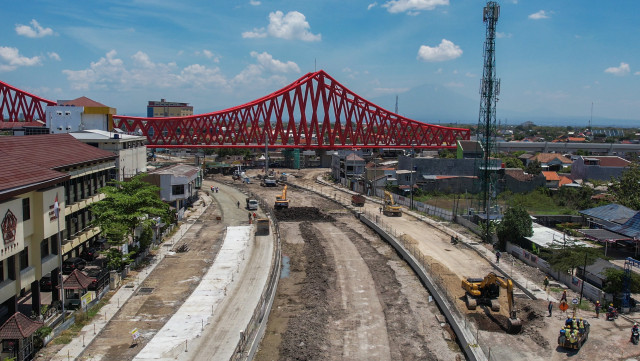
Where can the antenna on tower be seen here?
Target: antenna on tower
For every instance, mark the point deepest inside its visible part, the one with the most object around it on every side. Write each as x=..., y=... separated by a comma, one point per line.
x=489, y=91
x=396, y=104
x=591, y=118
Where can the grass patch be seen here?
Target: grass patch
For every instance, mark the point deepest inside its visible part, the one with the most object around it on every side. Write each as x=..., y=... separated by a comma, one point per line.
x=82, y=319
x=64, y=338
x=555, y=289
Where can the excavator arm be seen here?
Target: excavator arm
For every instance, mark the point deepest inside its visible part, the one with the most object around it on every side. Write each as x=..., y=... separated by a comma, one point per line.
x=485, y=290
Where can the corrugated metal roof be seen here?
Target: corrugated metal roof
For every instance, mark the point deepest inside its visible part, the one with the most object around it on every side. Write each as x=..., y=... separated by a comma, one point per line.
x=630, y=228
x=610, y=212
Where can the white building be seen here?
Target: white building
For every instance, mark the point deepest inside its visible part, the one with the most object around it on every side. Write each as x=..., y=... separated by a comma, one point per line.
x=178, y=184
x=79, y=114
x=131, y=150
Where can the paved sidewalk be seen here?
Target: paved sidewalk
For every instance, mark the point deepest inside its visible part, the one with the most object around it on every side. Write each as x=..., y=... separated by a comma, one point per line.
x=72, y=350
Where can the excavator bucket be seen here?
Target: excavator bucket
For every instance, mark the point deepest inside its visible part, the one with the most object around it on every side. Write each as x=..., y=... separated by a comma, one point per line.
x=514, y=325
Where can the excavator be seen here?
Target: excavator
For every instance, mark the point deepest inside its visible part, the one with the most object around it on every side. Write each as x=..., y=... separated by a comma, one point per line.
x=281, y=200
x=390, y=207
x=485, y=291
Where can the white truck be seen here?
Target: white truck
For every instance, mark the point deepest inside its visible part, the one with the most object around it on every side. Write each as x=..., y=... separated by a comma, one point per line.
x=252, y=204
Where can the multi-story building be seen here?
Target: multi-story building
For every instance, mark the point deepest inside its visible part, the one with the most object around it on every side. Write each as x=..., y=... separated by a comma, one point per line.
x=79, y=114
x=178, y=183
x=165, y=109
x=131, y=150
x=39, y=172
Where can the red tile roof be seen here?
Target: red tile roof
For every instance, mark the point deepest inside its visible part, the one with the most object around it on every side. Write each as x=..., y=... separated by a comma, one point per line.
x=518, y=174
x=18, y=176
x=551, y=176
x=611, y=161
x=18, y=327
x=53, y=151
x=548, y=157
x=564, y=180
x=11, y=125
x=76, y=281
x=82, y=102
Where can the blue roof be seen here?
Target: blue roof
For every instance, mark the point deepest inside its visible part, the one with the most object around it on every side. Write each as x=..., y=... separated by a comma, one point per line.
x=612, y=212
x=630, y=228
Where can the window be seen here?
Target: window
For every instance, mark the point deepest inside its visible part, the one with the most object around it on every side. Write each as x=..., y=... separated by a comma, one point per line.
x=26, y=209
x=11, y=267
x=177, y=189
x=44, y=248
x=54, y=244
x=24, y=258
x=1, y=271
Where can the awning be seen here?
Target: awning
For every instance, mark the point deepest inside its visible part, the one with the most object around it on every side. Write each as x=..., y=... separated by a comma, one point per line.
x=603, y=235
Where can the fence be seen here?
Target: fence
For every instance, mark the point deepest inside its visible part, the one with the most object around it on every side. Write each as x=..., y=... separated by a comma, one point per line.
x=252, y=334
x=590, y=292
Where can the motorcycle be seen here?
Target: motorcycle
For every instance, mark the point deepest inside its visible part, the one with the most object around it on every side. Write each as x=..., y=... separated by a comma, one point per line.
x=635, y=334
x=612, y=315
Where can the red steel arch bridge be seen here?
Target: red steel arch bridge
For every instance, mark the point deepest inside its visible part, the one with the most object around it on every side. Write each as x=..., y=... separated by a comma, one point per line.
x=313, y=112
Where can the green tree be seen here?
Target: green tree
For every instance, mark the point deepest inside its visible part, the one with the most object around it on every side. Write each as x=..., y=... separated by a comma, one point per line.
x=614, y=281
x=126, y=206
x=511, y=162
x=515, y=225
x=533, y=167
x=566, y=259
x=626, y=189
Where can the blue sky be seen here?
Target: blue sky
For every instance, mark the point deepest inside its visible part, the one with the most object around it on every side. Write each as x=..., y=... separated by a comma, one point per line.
x=554, y=58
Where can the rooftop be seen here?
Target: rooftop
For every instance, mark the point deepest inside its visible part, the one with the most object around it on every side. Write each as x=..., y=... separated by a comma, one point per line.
x=81, y=102
x=97, y=134
x=178, y=170
x=18, y=327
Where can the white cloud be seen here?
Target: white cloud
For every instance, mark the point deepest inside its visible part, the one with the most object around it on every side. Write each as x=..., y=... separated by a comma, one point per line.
x=383, y=91
x=372, y=5
x=34, y=31
x=454, y=84
x=443, y=52
x=254, y=2
x=539, y=15
x=399, y=6
x=209, y=55
x=500, y=35
x=470, y=75
x=291, y=26
x=267, y=61
x=636, y=73
x=10, y=59
x=53, y=55
x=111, y=72
x=621, y=70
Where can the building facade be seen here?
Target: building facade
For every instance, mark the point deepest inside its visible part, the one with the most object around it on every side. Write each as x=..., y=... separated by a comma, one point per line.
x=165, y=109
x=40, y=172
x=178, y=183
x=79, y=114
x=130, y=149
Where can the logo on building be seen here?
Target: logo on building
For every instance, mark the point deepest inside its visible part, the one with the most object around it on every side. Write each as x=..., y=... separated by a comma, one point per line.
x=9, y=225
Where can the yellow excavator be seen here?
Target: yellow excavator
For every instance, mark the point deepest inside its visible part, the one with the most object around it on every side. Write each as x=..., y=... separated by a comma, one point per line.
x=485, y=291
x=390, y=207
x=281, y=200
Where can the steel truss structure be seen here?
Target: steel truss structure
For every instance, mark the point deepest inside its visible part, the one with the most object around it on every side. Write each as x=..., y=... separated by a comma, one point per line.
x=18, y=105
x=313, y=112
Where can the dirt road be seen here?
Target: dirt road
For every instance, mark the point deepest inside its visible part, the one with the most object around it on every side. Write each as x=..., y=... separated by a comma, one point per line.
x=346, y=295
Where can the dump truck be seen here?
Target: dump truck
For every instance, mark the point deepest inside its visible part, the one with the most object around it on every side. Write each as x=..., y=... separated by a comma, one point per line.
x=281, y=200
x=252, y=204
x=390, y=208
x=357, y=200
x=576, y=338
x=485, y=291
x=262, y=226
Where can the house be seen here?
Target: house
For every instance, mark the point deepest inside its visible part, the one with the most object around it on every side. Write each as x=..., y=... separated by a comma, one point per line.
x=347, y=164
x=550, y=161
x=178, y=185
x=552, y=179
x=598, y=167
x=517, y=181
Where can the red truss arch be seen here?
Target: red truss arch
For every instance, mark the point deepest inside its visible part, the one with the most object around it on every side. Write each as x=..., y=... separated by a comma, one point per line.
x=18, y=105
x=314, y=112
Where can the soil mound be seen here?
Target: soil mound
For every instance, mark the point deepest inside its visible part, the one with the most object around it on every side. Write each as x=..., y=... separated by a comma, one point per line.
x=301, y=214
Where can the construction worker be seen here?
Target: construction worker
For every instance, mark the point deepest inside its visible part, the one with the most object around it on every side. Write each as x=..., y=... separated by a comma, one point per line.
x=550, y=307
x=581, y=326
x=598, y=309
x=498, y=257
x=564, y=296
x=546, y=283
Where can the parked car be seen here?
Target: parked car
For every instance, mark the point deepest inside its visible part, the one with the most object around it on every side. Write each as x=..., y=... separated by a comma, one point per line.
x=90, y=253
x=99, y=275
x=45, y=283
x=73, y=263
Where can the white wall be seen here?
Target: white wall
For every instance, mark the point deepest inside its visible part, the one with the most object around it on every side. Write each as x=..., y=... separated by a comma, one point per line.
x=64, y=119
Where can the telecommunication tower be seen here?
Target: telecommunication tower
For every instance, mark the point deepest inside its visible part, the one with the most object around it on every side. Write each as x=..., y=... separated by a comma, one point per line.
x=489, y=90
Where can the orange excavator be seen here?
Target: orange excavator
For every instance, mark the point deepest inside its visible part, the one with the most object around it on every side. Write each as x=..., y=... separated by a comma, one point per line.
x=485, y=291
x=281, y=200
